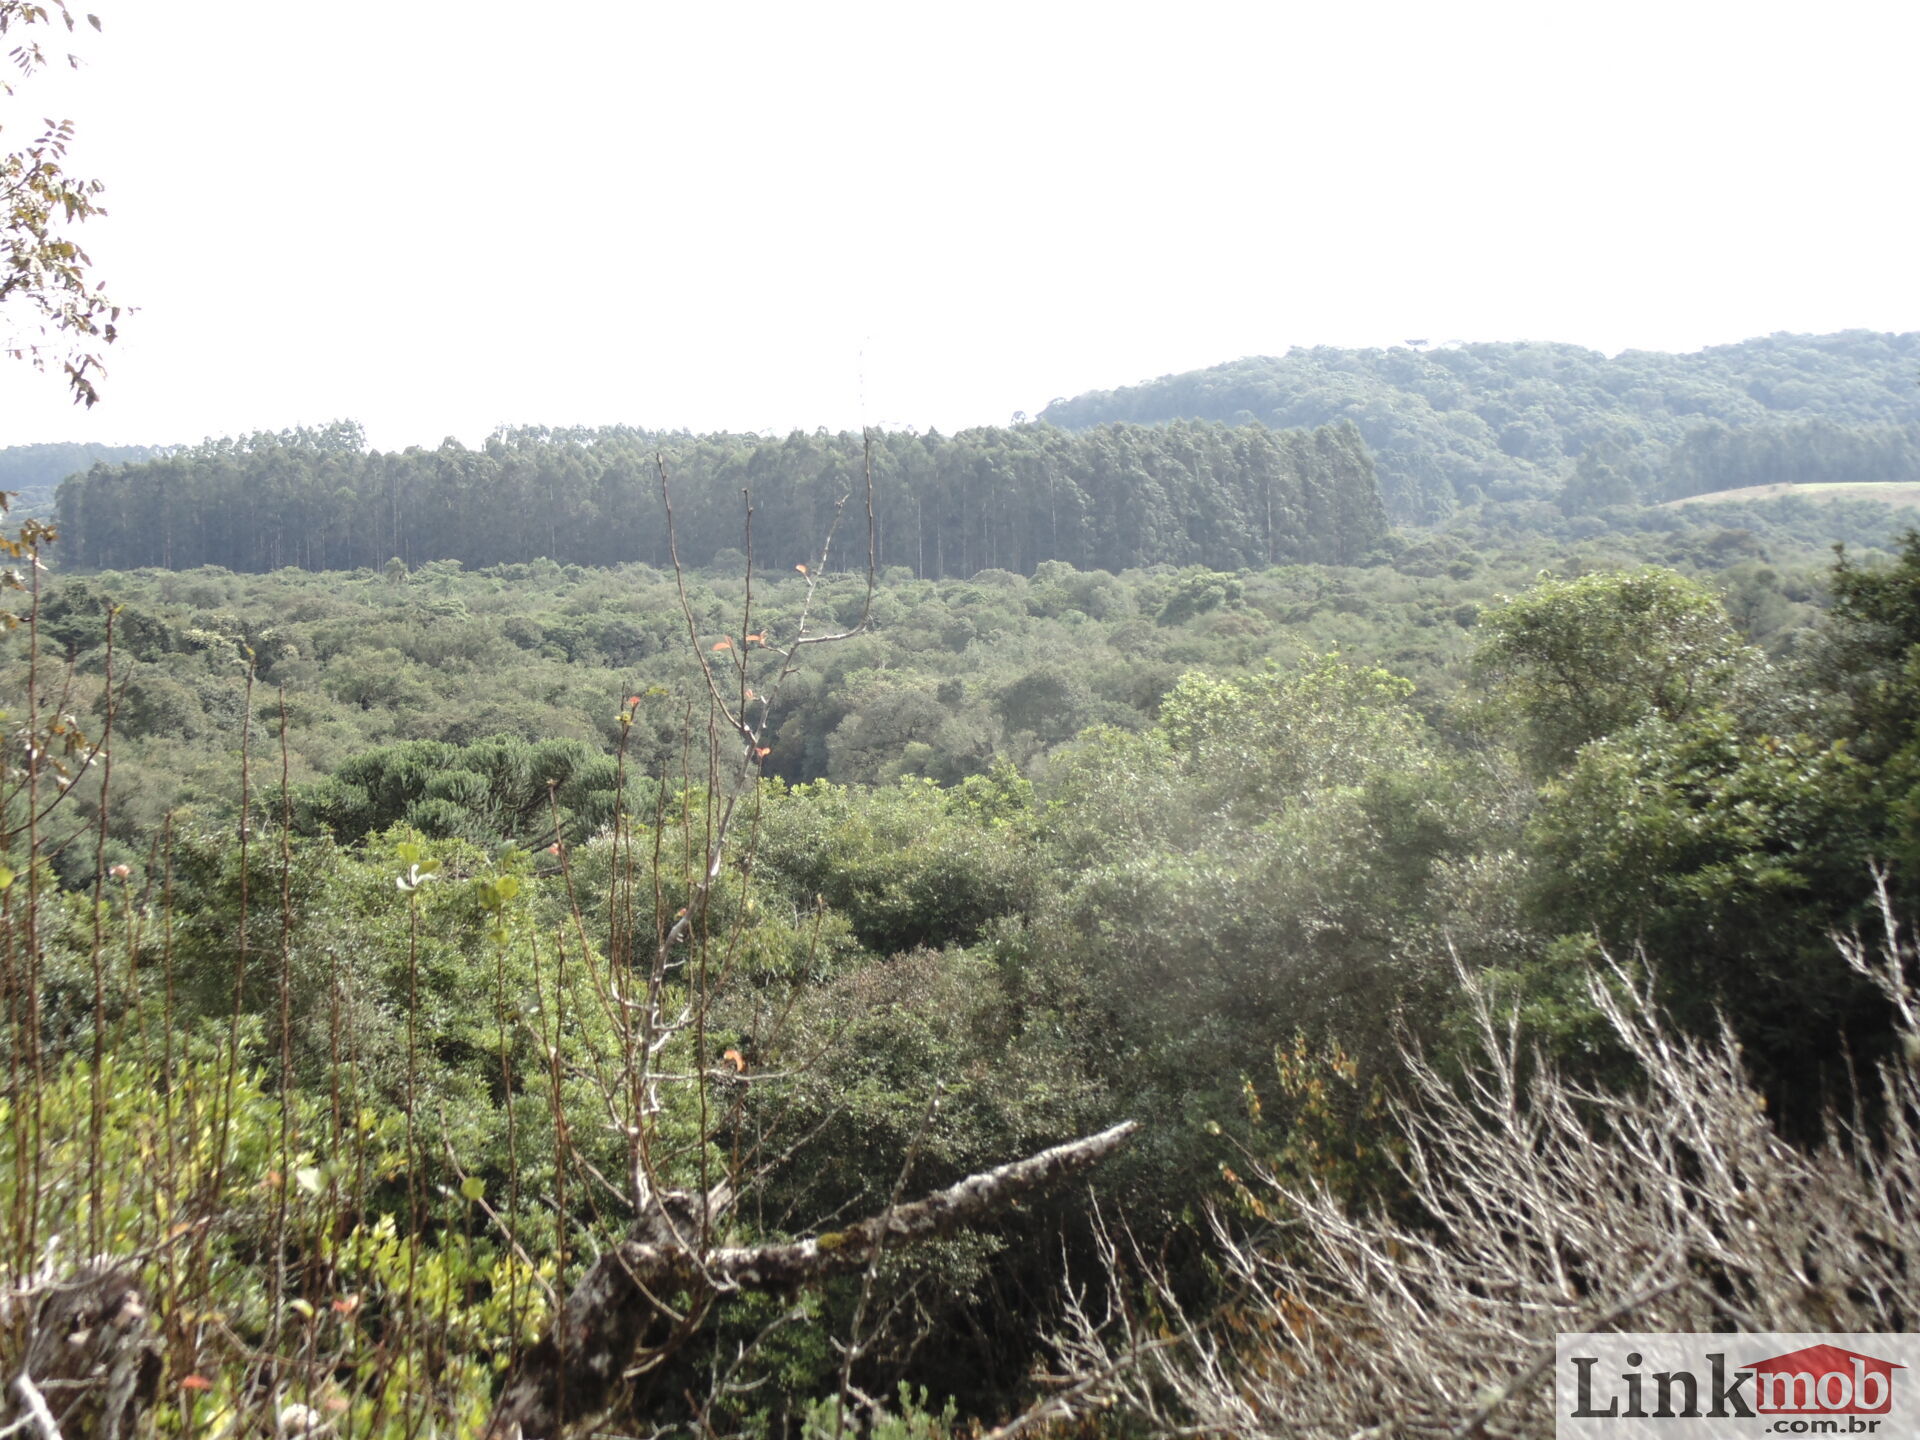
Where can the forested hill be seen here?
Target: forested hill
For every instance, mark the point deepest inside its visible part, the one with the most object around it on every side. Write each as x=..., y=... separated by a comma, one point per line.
x=1458, y=424
x=1109, y=498
x=32, y=471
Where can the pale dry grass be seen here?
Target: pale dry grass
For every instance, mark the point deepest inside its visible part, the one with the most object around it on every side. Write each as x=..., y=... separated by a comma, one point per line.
x=1901, y=494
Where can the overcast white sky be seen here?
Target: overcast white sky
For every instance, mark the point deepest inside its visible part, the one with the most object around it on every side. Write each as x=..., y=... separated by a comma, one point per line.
x=437, y=216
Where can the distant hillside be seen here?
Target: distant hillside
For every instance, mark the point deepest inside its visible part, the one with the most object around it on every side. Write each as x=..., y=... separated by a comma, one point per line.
x=1111, y=498
x=32, y=467
x=32, y=471
x=1460, y=424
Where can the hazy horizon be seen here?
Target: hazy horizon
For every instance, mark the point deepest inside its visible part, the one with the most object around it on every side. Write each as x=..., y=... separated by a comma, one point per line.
x=475, y=440
x=437, y=219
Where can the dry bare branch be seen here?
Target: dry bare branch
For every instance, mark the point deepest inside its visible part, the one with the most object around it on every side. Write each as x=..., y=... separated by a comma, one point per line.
x=620, y=1306
x=91, y=1347
x=1675, y=1205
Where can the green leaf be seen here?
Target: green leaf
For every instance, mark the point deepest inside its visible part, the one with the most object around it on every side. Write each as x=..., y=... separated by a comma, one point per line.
x=472, y=1188
x=6, y=877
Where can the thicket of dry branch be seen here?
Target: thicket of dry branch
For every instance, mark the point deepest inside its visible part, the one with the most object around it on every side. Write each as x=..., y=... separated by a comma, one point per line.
x=1548, y=1207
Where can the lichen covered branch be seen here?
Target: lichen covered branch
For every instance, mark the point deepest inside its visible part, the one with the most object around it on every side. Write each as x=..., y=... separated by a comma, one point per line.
x=622, y=1304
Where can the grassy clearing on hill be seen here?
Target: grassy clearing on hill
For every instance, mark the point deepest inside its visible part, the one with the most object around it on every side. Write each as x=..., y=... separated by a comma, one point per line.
x=1900, y=493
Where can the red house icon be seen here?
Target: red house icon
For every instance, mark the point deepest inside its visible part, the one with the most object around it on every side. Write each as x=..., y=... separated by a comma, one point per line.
x=1823, y=1380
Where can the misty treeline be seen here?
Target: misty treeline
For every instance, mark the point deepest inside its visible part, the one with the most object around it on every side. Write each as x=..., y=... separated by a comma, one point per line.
x=31, y=472
x=1010, y=499
x=1459, y=425
x=384, y=1001
x=1517, y=433
x=36, y=467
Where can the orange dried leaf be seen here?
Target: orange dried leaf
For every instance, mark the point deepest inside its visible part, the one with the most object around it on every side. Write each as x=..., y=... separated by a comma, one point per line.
x=724, y=645
x=196, y=1382
x=763, y=751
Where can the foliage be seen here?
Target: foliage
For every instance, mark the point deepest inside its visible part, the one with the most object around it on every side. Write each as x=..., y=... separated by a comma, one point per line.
x=1008, y=498
x=1574, y=660
x=1459, y=424
x=1027, y=854
x=1671, y=1205
x=1729, y=861
x=44, y=274
x=475, y=903
x=491, y=791
x=1873, y=649
x=912, y=1419
x=951, y=675
x=1268, y=857
x=1317, y=1125
x=908, y=865
x=199, y=1176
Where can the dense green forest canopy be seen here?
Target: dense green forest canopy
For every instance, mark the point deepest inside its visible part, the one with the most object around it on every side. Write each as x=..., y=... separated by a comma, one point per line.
x=1160, y=780
x=1010, y=499
x=953, y=674
x=1456, y=424
x=1195, y=846
x=1155, y=777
